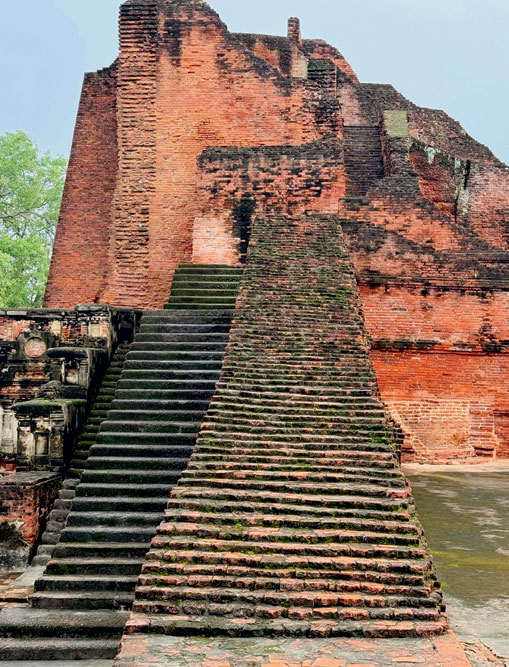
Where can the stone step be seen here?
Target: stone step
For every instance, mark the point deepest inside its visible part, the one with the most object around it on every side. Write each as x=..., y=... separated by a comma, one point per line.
x=174, y=329
x=287, y=507
x=74, y=600
x=95, y=566
x=119, y=504
x=182, y=288
x=163, y=394
x=183, y=387
x=288, y=456
x=107, y=534
x=198, y=305
x=147, y=427
x=86, y=583
x=212, y=270
x=174, y=527
x=365, y=491
x=101, y=550
x=244, y=520
x=150, y=451
x=56, y=649
x=281, y=496
x=105, y=464
x=24, y=622
x=348, y=416
x=263, y=559
x=167, y=347
x=142, y=438
x=296, y=578
x=178, y=625
x=197, y=298
x=150, y=415
x=309, y=441
x=196, y=364
x=303, y=472
x=127, y=477
x=114, y=489
x=172, y=340
x=160, y=405
x=196, y=375
x=81, y=518
x=301, y=613
x=317, y=604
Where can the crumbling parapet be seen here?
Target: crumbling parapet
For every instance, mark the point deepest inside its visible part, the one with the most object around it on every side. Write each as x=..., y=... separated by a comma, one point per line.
x=51, y=363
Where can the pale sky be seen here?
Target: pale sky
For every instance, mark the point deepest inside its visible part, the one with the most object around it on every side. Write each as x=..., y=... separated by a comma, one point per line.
x=446, y=54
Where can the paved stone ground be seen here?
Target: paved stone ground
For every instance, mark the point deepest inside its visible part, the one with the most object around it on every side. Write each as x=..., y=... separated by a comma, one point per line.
x=16, y=587
x=10, y=591
x=159, y=651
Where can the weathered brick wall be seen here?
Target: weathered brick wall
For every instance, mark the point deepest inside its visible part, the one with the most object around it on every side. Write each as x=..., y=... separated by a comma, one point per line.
x=439, y=316
x=212, y=128
x=238, y=184
x=79, y=266
x=450, y=404
x=26, y=498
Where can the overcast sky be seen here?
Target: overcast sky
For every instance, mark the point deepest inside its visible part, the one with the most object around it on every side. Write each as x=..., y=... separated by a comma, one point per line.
x=446, y=54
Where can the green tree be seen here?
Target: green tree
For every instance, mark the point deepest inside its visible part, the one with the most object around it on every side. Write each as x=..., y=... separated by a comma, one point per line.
x=31, y=186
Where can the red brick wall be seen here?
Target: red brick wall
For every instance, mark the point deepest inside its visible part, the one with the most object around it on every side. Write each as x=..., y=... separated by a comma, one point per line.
x=276, y=180
x=221, y=95
x=441, y=359
x=446, y=315
x=446, y=402
x=80, y=258
x=28, y=502
x=184, y=84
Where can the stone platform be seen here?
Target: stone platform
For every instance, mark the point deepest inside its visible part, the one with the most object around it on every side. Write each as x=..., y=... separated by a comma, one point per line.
x=162, y=651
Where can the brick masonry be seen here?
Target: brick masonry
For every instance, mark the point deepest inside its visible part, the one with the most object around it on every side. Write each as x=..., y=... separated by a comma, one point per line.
x=195, y=131
x=292, y=516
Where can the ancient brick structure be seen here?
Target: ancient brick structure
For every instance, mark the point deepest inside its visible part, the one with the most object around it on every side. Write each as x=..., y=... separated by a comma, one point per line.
x=369, y=238
x=196, y=131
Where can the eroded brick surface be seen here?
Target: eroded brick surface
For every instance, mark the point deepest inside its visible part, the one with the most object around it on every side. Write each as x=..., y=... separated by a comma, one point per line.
x=195, y=132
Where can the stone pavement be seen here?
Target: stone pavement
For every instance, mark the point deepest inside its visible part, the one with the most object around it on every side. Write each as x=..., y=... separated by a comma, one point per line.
x=10, y=591
x=159, y=650
x=16, y=587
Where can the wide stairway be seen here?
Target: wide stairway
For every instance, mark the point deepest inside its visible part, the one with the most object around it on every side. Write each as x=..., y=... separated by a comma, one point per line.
x=363, y=159
x=142, y=446
x=293, y=516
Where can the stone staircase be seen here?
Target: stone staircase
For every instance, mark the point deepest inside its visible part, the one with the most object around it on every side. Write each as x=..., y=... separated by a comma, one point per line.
x=363, y=159
x=293, y=516
x=58, y=515
x=143, y=443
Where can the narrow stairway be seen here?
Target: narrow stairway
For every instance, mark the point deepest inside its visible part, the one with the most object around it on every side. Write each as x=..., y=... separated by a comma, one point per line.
x=363, y=159
x=58, y=515
x=142, y=446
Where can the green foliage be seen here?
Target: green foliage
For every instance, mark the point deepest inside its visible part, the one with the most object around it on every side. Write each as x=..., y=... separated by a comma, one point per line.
x=31, y=186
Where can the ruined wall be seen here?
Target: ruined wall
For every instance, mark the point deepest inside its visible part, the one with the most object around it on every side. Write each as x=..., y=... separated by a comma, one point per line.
x=184, y=84
x=79, y=266
x=236, y=185
x=25, y=502
x=69, y=347
x=195, y=131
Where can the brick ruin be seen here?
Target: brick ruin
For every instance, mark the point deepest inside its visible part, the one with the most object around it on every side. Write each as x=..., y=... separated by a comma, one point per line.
x=321, y=269
x=195, y=132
